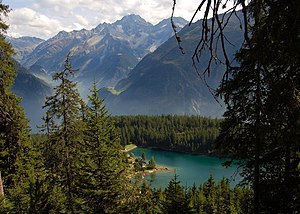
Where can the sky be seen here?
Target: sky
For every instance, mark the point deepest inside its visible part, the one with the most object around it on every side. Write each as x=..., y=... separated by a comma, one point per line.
x=45, y=18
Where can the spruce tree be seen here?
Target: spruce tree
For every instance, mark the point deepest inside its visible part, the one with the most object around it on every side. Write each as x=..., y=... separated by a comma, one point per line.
x=152, y=163
x=176, y=201
x=18, y=163
x=262, y=117
x=65, y=135
x=14, y=130
x=104, y=166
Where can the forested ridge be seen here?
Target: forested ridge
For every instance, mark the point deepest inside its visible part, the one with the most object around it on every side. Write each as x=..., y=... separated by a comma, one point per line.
x=191, y=134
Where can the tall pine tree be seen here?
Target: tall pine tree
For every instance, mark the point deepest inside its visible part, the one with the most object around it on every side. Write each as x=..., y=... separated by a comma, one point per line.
x=65, y=132
x=262, y=117
x=17, y=166
x=14, y=129
x=104, y=166
x=176, y=200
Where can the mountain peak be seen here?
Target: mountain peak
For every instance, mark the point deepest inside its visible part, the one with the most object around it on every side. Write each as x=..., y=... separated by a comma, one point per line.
x=133, y=19
x=179, y=22
x=60, y=35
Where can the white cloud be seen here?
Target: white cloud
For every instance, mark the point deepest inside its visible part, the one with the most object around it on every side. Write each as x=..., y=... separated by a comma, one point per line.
x=26, y=21
x=45, y=18
x=82, y=21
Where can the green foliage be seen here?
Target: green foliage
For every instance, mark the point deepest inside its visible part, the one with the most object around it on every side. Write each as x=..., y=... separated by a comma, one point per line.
x=152, y=163
x=193, y=134
x=16, y=149
x=211, y=197
x=37, y=192
x=5, y=205
x=65, y=135
x=103, y=166
x=261, y=126
x=14, y=128
x=175, y=200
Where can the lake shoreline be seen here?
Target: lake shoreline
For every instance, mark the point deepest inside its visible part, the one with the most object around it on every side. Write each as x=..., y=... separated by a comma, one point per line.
x=190, y=168
x=130, y=147
x=157, y=169
x=183, y=152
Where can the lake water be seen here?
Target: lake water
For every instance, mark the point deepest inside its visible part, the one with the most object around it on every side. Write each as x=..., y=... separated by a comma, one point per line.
x=189, y=168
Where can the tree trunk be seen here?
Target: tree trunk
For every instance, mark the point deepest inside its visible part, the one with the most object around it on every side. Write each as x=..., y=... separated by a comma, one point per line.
x=1, y=186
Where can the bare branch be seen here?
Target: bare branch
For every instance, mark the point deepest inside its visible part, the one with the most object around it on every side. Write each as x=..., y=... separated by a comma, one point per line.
x=174, y=28
x=212, y=33
x=198, y=10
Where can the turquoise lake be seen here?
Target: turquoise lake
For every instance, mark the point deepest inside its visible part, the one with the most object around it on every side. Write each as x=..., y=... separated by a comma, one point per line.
x=189, y=168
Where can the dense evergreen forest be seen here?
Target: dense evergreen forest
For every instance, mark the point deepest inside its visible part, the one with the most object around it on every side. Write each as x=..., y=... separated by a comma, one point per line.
x=78, y=165
x=208, y=198
x=192, y=134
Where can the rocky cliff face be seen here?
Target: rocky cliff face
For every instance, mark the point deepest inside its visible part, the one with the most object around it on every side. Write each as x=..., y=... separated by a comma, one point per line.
x=24, y=46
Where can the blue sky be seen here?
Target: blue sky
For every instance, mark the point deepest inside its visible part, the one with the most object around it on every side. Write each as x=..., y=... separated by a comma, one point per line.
x=45, y=18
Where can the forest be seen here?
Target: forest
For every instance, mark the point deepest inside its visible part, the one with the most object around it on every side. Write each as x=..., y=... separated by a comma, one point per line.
x=210, y=197
x=191, y=134
x=260, y=88
x=78, y=166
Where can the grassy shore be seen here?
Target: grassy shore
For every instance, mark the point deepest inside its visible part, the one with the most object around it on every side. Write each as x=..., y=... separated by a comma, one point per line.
x=130, y=147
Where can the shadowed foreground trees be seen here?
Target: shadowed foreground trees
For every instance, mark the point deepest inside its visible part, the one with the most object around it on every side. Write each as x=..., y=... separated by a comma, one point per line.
x=15, y=145
x=261, y=126
x=209, y=198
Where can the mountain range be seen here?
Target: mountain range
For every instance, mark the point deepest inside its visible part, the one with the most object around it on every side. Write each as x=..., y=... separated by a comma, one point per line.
x=24, y=45
x=138, y=65
x=165, y=81
x=107, y=53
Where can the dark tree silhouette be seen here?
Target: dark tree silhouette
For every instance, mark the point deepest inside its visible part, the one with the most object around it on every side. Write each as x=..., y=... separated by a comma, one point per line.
x=261, y=126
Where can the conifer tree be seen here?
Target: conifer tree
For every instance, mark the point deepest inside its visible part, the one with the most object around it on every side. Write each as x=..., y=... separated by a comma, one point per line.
x=202, y=200
x=13, y=124
x=176, y=200
x=261, y=93
x=15, y=145
x=17, y=154
x=152, y=163
x=63, y=122
x=104, y=164
x=262, y=98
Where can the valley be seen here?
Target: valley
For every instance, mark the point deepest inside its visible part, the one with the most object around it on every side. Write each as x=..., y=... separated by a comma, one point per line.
x=137, y=65
x=140, y=71
x=114, y=113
